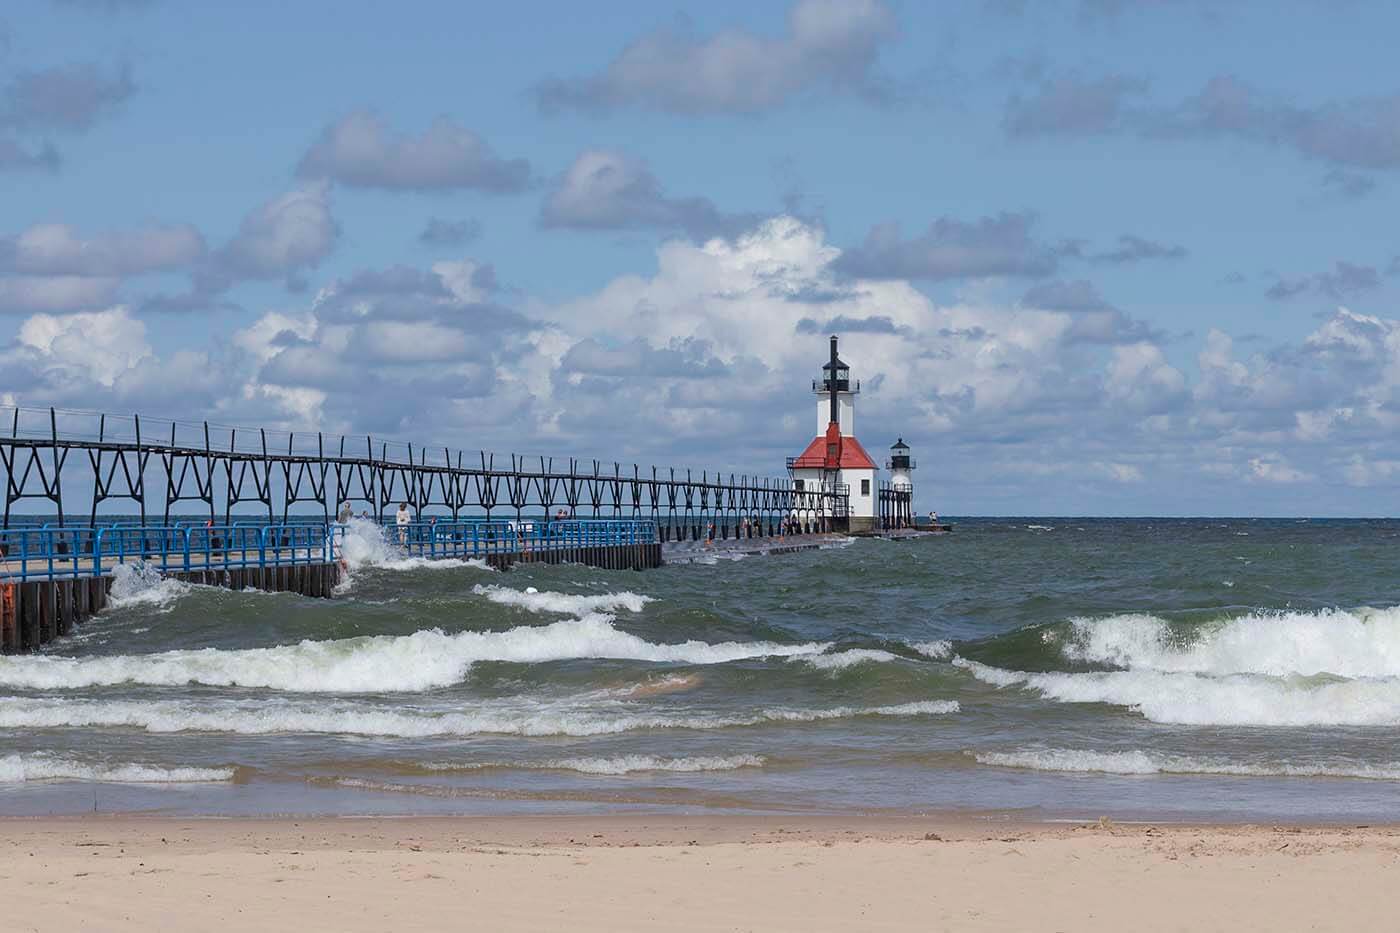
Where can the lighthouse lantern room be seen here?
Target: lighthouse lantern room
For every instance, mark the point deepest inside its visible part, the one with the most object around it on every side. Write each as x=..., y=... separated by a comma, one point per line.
x=901, y=465
x=835, y=461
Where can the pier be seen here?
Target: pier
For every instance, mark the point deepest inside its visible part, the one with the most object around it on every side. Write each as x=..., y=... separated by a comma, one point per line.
x=53, y=578
x=251, y=507
x=159, y=466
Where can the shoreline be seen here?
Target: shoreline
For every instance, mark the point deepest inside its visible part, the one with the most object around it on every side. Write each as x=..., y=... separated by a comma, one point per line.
x=666, y=826
x=687, y=873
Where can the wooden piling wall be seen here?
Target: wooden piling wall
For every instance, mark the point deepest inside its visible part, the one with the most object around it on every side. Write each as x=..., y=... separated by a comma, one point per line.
x=607, y=557
x=34, y=613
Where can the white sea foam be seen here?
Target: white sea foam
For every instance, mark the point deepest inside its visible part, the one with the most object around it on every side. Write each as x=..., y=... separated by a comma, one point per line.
x=1330, y=667
x=383, y=663
x=435, y=563
x=938, y=650
x=1146, y=762
x=840, y=660
x=1344, y=643
x=1196, y=699
x=622, y=764
x=141, y=584
x=369, y=545
x=19, y=769
x=562, y=603
x=270, y=717
x=917, y=708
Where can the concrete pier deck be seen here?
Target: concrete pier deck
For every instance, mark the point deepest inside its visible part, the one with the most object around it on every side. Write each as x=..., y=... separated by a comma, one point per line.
x=695, y=552
x=905, y=534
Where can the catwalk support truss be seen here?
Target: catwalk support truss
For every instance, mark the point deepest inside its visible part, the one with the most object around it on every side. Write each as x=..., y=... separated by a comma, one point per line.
x=163, y=468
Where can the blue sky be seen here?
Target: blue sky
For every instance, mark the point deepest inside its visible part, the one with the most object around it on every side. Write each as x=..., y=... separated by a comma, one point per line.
x=1091, y=256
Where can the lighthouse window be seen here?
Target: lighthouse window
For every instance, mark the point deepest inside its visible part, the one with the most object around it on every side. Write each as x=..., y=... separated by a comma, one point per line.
x=865, y=487
x=799, y=484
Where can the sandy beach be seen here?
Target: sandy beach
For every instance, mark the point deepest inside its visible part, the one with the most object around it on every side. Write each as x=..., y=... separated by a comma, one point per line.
x=611, y=873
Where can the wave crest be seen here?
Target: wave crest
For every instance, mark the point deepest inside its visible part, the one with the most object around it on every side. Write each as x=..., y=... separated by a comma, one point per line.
x=266, y=718
x=20, y=769
x=1198, y=700
x=1146, y=762
x=562, y=603
x=425, y=660
x=621, y=764
x=1345, y=643
x=1329, y=667
x=366, y=544
x=141, y=584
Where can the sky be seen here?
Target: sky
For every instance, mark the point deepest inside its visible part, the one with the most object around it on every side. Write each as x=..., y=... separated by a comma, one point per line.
x=1095, y=257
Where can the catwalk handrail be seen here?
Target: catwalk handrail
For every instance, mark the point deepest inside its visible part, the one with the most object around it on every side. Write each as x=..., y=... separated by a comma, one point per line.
x=48, y=552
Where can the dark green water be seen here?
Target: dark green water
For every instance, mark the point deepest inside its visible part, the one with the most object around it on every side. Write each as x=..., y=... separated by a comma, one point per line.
x=1062, y=667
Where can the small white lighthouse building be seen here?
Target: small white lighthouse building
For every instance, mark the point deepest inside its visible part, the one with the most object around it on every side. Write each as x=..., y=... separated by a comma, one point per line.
x=901, y=466
x=897, y=497
x=835, y=461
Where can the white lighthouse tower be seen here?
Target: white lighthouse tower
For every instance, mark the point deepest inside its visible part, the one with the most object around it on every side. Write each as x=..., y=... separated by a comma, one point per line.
x=835, y=461
x=901, y=466
x=897, y=498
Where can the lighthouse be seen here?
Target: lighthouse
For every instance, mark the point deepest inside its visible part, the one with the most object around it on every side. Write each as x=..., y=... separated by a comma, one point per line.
x=835, y=461
x=901, y=465
x=897, y=497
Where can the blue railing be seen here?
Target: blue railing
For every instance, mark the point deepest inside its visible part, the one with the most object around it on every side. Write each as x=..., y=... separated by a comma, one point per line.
x=49, y=551
x=478, y=538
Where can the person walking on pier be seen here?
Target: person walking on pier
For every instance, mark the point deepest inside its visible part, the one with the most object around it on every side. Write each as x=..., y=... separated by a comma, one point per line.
x=345, y=514
x=401, y=519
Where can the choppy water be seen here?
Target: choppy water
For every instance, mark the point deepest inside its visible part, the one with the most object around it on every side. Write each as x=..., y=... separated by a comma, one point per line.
x=1073, y=667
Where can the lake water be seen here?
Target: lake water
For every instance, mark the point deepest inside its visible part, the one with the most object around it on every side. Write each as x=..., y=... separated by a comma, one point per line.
x=1211, y=668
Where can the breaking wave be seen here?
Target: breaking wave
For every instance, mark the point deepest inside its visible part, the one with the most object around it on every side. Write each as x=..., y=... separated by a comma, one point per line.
x=840, y=660
x=562, y=603
x=20, y=769
x=141, y=584
x=1144, y=762
x=1196, y=700
x=622, y=764
x=1329, y=667
x=368, y=545
x=425, y=660
x=270, y=717
x=937, y=650
x=1356, y=643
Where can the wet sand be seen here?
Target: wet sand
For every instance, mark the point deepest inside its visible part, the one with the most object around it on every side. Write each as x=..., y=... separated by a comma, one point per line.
x=680, y=873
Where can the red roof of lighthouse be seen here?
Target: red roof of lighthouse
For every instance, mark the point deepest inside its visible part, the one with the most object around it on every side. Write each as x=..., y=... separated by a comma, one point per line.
x=853, y=456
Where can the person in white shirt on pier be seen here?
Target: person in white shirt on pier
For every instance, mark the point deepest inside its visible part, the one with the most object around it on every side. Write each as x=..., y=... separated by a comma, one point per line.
x=401, y=519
